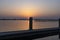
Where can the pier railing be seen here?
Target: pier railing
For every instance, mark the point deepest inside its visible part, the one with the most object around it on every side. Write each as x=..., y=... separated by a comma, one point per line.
x=30, y=34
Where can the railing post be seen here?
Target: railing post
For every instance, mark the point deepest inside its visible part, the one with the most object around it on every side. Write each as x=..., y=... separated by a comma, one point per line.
x=30, y=23
x=59, y=28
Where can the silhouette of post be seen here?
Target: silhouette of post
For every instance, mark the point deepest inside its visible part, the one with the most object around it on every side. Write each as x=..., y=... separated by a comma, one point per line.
x=30, y=23
x=59, y=28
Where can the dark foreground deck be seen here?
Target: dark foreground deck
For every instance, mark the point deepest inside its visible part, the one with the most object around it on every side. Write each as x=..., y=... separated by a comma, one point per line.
x=29, y=34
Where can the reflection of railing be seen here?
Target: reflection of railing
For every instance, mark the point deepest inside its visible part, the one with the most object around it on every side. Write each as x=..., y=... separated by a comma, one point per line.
x=30, y=34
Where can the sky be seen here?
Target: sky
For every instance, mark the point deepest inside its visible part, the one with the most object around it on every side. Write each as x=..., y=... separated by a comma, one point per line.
x=29, y=8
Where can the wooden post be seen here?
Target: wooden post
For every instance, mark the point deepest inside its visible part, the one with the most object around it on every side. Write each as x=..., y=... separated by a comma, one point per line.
x=59, y=29
x=30, y=23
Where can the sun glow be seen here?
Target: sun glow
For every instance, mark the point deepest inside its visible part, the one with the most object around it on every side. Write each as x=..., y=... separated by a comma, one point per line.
x=28, y=10
x=27, y=13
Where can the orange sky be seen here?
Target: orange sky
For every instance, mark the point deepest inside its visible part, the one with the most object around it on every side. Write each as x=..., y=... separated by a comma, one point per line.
x=28, y=8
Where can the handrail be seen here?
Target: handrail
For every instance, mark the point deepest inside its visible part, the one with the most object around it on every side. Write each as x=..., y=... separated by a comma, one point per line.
x=29, y=34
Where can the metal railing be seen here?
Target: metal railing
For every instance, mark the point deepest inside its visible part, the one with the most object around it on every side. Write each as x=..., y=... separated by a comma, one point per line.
x=30, y=34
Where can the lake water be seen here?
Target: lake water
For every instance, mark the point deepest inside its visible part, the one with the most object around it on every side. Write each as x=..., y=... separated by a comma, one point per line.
x=15, y=25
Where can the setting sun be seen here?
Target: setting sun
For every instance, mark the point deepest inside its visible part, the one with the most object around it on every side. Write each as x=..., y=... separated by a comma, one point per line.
x=28, y=10
x=27, y=13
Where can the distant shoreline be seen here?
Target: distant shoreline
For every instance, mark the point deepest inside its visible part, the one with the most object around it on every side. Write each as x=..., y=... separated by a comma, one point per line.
x=13, y=19
x=46, y=20
x=34, y=19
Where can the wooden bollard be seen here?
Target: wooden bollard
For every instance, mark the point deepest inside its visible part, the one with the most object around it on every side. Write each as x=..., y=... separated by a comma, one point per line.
x=59, y=29
x=30, y=23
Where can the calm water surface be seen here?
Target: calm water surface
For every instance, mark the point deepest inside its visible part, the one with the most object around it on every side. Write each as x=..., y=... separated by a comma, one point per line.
x=13, y=25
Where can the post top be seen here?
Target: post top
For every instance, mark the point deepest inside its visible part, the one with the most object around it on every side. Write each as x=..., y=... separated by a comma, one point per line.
x=59, y=18
x=31, y=18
